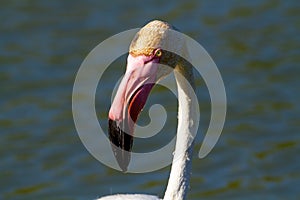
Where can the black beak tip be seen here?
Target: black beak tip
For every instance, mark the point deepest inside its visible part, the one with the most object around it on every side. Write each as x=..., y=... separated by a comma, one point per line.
x=124, y=168
x=122, y=157
x=121, y=144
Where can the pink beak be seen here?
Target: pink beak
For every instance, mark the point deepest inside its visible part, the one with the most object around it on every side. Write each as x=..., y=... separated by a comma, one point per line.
x=130, y=99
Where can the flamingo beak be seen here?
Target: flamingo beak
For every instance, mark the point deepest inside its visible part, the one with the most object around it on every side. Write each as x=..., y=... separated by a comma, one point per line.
x=130, y=99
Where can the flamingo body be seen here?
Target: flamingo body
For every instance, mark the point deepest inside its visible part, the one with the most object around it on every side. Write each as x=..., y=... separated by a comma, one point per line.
x=130, y=197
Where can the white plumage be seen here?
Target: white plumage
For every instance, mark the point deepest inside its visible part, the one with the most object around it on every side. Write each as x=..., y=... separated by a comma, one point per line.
x=130, y=197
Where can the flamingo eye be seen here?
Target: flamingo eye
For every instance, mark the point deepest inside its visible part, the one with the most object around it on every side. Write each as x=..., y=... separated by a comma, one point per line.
x=158, y=53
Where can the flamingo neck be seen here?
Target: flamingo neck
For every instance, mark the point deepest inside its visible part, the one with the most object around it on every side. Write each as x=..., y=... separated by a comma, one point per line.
x=178, y=184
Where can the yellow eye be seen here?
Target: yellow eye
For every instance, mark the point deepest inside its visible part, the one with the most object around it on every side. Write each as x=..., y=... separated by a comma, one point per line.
x=158, y=53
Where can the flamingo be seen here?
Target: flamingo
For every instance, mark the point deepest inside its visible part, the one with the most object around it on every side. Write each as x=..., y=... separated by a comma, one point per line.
x=142, y=72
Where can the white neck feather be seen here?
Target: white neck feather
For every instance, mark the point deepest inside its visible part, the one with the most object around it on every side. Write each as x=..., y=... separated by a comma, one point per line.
x=178, y=184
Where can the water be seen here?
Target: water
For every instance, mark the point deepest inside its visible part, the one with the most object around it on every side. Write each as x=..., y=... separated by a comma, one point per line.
x=255, y=45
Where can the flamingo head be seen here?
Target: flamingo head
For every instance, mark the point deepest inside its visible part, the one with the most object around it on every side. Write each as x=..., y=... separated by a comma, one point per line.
x=143, y=70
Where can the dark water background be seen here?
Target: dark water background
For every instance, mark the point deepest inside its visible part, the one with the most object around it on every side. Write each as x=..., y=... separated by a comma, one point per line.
x=255, y=44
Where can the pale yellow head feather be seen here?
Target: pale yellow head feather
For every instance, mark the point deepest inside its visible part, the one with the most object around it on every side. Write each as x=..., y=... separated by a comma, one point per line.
x=155, y=34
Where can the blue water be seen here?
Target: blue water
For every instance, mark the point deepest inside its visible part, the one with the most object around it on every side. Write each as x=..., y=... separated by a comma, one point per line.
x=255, y=44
